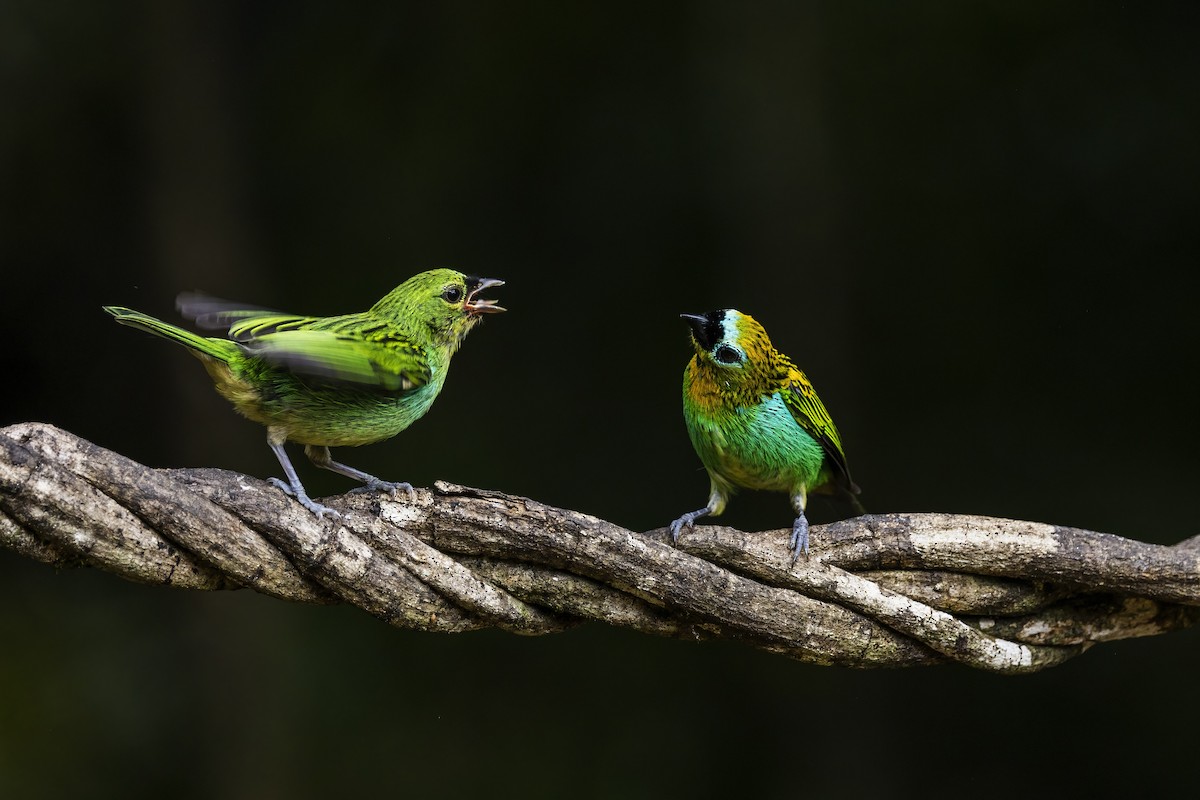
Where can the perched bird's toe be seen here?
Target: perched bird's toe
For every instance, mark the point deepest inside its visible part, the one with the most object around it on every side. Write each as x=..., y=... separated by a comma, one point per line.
x=303, y=499
x=799, y=540
x=677, y=526
x=322, y=511
x=388, y=487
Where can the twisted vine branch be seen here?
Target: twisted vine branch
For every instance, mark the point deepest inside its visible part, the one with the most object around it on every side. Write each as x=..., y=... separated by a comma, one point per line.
x=884, y=590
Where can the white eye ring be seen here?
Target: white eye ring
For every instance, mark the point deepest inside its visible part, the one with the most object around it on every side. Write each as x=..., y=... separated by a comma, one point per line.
x=725, y=354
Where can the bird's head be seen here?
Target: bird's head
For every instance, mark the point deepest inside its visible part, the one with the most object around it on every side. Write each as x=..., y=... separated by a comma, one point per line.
x=732, y=349
x=446, y=301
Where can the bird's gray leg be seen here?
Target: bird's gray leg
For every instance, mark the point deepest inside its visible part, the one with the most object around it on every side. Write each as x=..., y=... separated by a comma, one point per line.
x=799, y=541
x=322, y=458
x=293, y=486
x=716, y=504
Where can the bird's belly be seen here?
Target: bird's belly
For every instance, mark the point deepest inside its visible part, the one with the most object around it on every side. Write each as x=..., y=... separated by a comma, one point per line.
x=353, y=424
x=327, y=414
x=762, y=448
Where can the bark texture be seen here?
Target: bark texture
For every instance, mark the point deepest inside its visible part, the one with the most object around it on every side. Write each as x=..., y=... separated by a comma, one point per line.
x=888, y=590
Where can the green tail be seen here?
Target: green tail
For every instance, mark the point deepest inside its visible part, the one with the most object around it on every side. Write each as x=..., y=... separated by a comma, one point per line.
x=220, y=349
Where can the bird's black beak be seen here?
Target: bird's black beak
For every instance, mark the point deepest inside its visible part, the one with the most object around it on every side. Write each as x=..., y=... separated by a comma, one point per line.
x=706, y=328
x=478, y=305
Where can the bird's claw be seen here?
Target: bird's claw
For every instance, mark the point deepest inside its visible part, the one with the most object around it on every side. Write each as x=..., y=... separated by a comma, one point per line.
x=688, y=519
x=388, y=487
x=799, y=541
x=319, y=509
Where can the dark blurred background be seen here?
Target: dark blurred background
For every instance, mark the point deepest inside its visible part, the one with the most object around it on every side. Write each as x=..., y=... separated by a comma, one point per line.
x=972, y=224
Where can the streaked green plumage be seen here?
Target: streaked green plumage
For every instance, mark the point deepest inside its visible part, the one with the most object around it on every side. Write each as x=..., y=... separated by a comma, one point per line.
x=332, y=381
x=755, y=421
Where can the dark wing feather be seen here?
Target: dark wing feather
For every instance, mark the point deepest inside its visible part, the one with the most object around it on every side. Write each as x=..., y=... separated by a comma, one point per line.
x=809, y=412
x=213, y=313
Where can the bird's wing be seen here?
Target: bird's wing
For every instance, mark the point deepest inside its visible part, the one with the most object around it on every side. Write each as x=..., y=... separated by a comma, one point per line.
x=809, y=412
x=349, y=349
x=213, y=313
x=373, y=358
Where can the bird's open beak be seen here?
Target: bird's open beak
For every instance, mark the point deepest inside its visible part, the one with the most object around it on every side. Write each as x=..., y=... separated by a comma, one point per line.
x=479, y=305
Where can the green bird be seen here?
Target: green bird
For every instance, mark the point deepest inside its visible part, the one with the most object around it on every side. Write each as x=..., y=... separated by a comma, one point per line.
x=756, y=422
x=332, y=381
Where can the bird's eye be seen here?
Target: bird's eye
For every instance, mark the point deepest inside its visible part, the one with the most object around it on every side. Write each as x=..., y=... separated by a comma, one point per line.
x=452, y=294
x=727, y=355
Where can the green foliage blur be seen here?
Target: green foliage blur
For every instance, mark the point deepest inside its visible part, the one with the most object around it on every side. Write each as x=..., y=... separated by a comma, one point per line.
x=972, y=224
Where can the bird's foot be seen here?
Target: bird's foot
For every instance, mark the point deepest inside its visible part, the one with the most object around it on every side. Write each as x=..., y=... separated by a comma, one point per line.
x=388, y=487
x=688, y=519
x=303, y=499
x=799, y=542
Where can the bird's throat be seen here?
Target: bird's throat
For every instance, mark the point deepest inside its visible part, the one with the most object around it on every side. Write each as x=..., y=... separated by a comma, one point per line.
x=711, y=391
